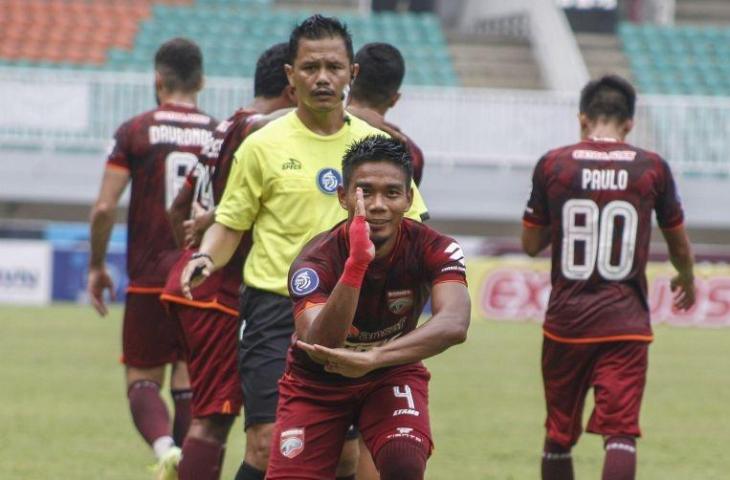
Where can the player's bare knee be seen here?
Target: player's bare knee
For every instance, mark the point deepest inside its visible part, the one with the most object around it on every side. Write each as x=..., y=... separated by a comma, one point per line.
x=214, y=428
x=402, y=459
x=179, y=378
x=258, y=444
x=348, y=459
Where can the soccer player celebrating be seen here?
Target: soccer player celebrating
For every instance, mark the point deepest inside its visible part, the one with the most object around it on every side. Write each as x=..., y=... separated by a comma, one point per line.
x=210, y=322
x=154, y=150
x=375, y=91
x=283, y=186
x=359, y=290
x=592, y=202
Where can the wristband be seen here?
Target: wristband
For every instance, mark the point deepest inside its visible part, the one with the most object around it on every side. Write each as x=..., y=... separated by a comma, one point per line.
x=353, y=273
x=202, y=255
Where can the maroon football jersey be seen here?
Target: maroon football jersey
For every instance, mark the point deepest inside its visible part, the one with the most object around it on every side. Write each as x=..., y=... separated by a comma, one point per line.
x=597, y=198
x=393, y=293
x=209, y=181
x=158, y=148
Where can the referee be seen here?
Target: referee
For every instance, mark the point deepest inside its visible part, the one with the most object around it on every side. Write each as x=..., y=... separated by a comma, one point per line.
x=284, y=182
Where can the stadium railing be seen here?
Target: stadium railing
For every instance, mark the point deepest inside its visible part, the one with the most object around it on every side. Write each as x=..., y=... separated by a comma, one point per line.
x=67, y=111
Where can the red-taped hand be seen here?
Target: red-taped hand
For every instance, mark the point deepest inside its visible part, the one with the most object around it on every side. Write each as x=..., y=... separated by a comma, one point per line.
x=362, y=249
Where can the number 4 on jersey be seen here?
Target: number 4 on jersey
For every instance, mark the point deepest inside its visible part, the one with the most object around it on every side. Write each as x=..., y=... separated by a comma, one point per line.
x=586, y=225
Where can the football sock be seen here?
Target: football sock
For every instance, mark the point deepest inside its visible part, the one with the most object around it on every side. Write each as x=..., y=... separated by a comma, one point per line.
x=149, y=412
x=181, y=422
x=401, y=459
x=247, y=472
x=201, y=460
x=620, y=461
x=557, y=463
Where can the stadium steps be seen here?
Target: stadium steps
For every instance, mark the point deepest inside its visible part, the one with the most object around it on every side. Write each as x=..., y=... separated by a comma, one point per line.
x=602, y=54
x=708, y=12
x=494, y=62
x=333, y=6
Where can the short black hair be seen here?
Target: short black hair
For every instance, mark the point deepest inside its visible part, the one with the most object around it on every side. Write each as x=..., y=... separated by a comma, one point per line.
x=270, y=78
x=377, y=148
x=180, y=63
x=381, y=73
x=318, y=27
x=610, y=96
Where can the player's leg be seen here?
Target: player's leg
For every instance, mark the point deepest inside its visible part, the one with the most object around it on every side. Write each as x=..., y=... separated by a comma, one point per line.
x=619, y=379
x=566, y=371
x=267, y=325
x=145, y=356
x=265, y=336
x=366, y=469
x=182, y=395
x=311, y=422
x=394, y=423
x=349, y=457
x=210, y=340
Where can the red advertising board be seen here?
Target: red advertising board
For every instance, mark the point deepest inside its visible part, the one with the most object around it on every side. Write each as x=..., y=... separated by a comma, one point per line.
x=517, y=289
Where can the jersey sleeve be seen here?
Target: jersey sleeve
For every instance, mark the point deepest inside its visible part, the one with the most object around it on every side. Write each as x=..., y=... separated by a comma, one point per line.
x=668, y=207
x=537, y=213
x=444, y=260
x=119, y=154
x=242, y=196
x=311, y=281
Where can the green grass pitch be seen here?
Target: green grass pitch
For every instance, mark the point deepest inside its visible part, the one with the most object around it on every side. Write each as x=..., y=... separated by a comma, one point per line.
x=63, y=410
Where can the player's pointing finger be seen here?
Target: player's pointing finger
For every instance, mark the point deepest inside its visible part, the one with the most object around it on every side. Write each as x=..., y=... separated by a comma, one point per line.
x=360, y=203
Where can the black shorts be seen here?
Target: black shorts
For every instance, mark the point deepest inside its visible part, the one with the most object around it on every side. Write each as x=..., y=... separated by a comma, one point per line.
x=267, y=325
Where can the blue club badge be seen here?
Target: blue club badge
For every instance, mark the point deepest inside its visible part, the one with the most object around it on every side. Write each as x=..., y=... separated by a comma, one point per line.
x=328, y=179
x=304, y=281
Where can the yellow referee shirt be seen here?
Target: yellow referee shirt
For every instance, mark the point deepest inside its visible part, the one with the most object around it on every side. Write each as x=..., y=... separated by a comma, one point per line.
x=284, y=180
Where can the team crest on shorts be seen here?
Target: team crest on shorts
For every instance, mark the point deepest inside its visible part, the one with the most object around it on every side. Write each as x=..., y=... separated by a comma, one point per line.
x=328, y=179
x=291, y=442
x=304, y=281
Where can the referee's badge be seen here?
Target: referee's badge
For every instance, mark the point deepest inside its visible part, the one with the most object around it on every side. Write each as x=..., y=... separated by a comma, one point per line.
x=304, y=281
x=328, y=179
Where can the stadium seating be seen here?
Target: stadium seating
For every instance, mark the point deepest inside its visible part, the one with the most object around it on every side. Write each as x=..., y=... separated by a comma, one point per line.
x=232, y=33
x=684, y=60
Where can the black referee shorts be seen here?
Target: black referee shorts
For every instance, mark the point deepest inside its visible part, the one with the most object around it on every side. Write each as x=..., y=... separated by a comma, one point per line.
x=267, y=325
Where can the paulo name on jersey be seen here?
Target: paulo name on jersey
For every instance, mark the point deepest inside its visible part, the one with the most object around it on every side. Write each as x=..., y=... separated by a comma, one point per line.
x=393, y=293
x=158, y=148
x=597, y=198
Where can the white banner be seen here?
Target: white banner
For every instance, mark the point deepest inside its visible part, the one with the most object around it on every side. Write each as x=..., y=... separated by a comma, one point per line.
x=25, y=271
x=44, y=106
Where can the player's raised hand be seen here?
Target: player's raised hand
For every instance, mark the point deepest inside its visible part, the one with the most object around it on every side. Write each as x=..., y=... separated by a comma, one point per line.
x=98, y=281
x=362, y=249
x=683, y=288
x=342, y=361
x=198, y=268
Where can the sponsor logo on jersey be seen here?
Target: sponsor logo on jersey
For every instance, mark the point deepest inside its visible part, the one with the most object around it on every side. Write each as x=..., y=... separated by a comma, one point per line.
x=181, y=117
x=328, y=179
x=291, y=442
x=304, y=281
x=616, y=155
x=291, y=164
x=406, y=411
x=405, y=432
